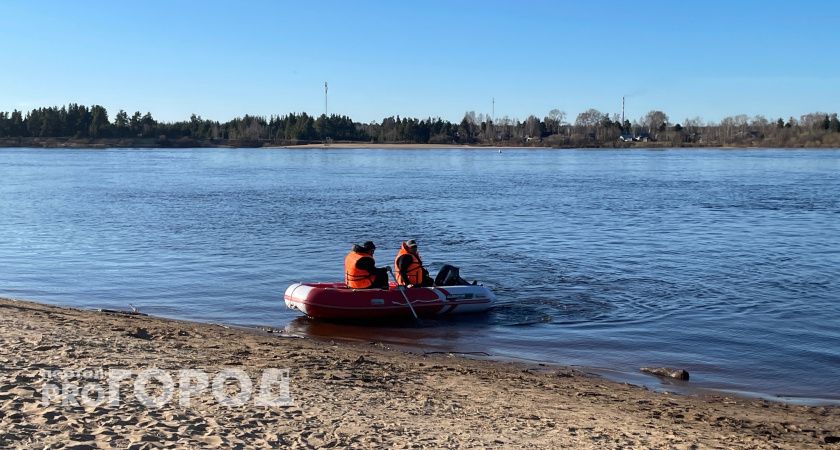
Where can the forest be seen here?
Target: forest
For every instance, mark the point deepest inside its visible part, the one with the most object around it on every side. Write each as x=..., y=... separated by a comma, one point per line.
x=74, y=123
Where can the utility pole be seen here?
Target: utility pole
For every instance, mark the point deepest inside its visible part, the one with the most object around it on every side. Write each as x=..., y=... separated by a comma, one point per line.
x=325, y=99
x=493, y=117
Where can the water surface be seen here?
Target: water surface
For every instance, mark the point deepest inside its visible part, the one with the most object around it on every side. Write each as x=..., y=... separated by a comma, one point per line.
x=722, y=262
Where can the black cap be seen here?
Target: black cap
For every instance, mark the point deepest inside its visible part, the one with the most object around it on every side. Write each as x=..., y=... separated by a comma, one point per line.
x=368, y=245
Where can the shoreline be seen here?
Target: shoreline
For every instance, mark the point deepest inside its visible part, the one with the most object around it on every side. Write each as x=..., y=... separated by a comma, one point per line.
x=633, y=376
x=358, y=395
x=153, y=143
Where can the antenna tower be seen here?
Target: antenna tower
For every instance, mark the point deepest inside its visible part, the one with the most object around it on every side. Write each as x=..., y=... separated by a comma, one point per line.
x=622, y=110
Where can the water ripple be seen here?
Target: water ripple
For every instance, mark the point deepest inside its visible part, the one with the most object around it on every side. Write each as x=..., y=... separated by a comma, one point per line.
x=722, y=262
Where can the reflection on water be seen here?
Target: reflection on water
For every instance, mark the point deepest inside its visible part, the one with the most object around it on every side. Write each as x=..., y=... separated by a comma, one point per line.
x=720, y=262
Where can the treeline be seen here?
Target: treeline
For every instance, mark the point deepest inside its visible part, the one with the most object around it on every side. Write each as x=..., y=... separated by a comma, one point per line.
x=591, y=128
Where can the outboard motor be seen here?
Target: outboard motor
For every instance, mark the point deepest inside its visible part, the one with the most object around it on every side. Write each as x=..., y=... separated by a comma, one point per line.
x=449, y=275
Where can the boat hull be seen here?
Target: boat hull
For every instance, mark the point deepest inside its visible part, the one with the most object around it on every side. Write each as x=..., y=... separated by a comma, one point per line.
x=337, y=302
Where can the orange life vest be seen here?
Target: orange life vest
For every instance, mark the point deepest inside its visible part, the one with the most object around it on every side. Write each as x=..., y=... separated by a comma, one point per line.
x=414, y=273
x=353, y=276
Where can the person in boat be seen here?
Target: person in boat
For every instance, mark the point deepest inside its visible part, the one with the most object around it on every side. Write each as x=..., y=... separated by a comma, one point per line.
x=408, y=267
x=360, y=271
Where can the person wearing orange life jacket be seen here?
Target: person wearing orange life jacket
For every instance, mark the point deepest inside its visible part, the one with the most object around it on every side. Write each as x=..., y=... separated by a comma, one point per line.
x=408, y=267
x=360, y=271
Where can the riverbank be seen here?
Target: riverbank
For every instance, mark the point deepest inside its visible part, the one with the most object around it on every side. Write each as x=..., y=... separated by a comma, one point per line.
x=213, y=143
x=162, y=142
x=353, y=395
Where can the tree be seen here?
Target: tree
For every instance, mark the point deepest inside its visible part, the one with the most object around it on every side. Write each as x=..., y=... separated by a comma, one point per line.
x=655, y=121
x=16, y=126
x=555, y=120
x=135, y=123
x=692, y=128
x=760, y=122
x=322, y=126
x=533, y=127
x=50, y=123
x=834, y=124
x=98, y=121
x=695, y=122
x=813, y=120
x=468, y=127
x=121, y=124
x=148, y=125
x=589, y=118
x=254, y=129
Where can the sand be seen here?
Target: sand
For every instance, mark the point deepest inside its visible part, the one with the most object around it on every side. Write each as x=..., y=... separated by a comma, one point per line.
x=353, y=396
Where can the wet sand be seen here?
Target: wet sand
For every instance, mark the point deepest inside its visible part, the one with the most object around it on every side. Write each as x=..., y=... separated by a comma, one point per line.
x=355, y=396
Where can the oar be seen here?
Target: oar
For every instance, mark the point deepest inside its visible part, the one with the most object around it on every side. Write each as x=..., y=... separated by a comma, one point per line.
x=401, y=288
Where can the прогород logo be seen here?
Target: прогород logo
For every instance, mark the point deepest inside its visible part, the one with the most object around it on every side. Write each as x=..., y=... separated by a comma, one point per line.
x=154, y=388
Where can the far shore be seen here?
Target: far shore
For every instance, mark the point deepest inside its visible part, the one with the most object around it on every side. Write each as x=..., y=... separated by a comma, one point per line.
x=140, y=143
x=393, y=146
x=352, y=395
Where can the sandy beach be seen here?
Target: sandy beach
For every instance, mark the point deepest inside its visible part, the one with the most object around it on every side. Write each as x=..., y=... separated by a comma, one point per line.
x=351, y=395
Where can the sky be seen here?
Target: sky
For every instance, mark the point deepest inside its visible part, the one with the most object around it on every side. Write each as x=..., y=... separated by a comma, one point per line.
x=222, y=59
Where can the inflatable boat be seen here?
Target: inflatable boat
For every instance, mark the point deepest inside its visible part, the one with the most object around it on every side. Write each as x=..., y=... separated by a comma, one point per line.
x=335, y=301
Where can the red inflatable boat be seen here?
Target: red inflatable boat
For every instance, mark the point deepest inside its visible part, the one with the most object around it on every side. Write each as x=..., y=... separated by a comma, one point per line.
x=337, y=301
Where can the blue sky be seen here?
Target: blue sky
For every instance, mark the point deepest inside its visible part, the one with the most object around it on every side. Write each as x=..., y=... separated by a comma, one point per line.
x=220, y=60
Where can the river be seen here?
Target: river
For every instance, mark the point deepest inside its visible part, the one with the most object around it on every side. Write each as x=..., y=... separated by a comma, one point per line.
x=722, y=262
